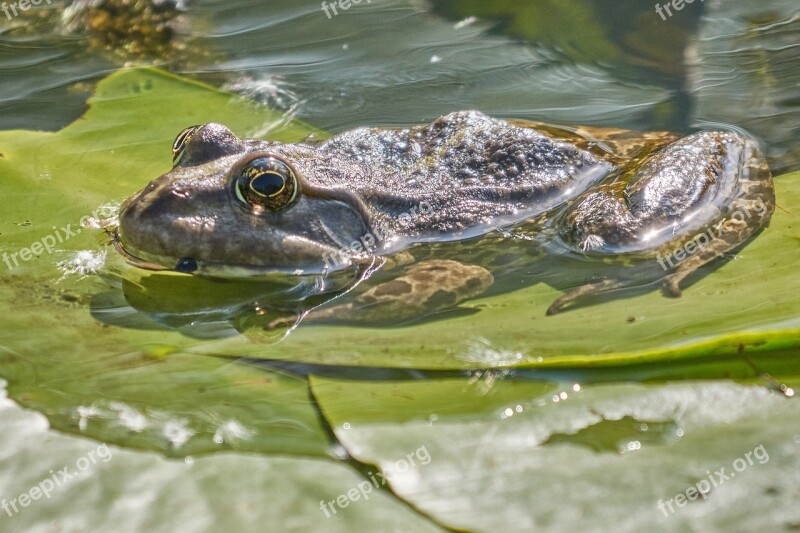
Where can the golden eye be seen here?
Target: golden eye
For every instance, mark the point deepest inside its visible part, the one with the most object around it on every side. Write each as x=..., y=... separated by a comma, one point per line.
x=266, y=182
x=179, y=146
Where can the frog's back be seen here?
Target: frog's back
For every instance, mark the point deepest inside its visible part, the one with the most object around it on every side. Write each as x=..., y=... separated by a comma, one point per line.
x=466, y=168
x=472, y=172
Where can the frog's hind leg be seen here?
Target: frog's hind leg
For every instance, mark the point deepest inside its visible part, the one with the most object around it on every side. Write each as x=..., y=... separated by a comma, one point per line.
x=748, y=214
x=718, y=183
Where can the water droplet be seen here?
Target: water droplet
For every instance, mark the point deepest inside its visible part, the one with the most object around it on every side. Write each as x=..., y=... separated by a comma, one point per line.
x=466, y=22
x=177, y=432
x=338, y=451
x=633, y=446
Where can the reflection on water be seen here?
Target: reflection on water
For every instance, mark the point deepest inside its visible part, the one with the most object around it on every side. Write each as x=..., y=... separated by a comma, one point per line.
x=582, y=61
x=744, y=71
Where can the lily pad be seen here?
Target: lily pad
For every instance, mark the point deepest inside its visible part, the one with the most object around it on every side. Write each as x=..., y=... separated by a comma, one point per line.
x=225, y=492
x=514, y=456
x=122, y=143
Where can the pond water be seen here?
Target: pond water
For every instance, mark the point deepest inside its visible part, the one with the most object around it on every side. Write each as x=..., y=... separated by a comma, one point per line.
x=403, y=63
x=175, y=408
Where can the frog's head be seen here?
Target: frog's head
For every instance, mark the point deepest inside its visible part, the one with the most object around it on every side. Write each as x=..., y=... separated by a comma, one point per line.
x=239, y=207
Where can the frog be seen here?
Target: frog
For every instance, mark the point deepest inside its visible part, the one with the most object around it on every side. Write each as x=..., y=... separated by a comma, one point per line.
x=365, y=200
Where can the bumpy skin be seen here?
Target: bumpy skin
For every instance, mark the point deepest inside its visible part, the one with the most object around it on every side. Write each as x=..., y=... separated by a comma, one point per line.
x=469, y=173
x=597, y=191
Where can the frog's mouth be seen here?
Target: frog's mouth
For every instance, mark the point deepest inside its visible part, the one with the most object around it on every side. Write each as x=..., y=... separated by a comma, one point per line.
x=190, y=265
x=186, y=265
x=132, y=259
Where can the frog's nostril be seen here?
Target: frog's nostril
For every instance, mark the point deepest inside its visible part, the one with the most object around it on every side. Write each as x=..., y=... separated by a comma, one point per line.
x=186, y=265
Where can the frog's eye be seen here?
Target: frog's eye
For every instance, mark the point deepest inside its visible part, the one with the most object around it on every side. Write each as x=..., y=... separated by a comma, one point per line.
x=266, y=182
x=179, y=146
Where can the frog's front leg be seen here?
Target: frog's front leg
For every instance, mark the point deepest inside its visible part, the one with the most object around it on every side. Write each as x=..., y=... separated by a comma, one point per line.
x=424, y=288
x=689, y=203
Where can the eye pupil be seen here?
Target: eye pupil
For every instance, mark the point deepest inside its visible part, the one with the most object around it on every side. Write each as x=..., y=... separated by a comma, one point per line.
x=268, y=184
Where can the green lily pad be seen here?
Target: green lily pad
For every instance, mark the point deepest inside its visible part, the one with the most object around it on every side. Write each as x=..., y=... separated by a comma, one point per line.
x=747, y=305
x=515, y=456
x=223, y=492
x=135, y=385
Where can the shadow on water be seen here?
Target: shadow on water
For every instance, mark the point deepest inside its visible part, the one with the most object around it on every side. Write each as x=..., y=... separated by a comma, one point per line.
x=631, y=40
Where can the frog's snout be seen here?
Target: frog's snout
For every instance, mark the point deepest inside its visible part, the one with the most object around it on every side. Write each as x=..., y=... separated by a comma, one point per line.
x=156, y=228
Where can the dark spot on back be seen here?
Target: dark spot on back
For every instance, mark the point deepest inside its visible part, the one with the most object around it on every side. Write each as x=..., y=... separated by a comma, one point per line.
x=473, y=284
x=393, y=288
x=441, y=299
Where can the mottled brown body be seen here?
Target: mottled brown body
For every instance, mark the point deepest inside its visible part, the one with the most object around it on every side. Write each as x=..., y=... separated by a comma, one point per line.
x=376, y=193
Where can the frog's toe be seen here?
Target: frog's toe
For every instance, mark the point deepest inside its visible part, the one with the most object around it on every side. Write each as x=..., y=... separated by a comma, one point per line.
x=594, y=288
x=672, y=285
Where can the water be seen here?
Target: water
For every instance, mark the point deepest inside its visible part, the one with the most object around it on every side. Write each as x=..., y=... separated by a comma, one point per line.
x=587, y=64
